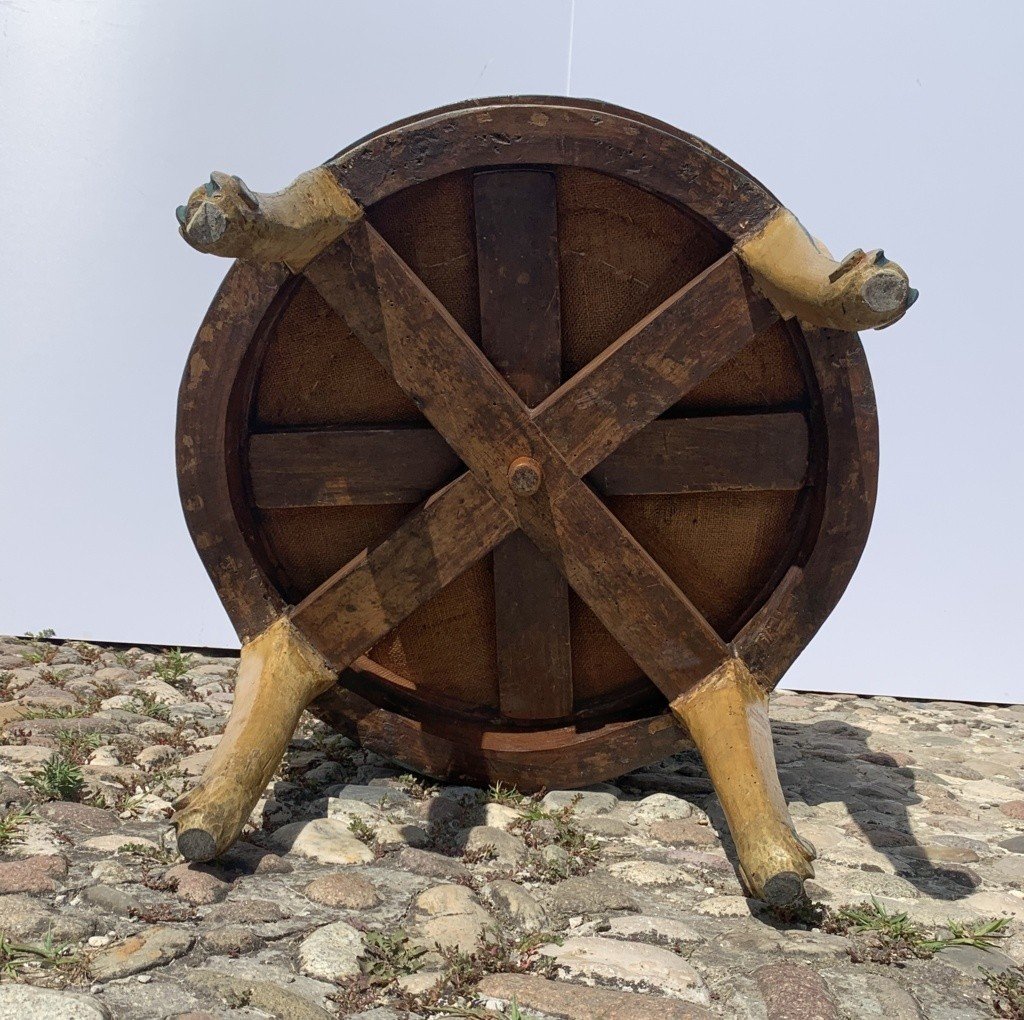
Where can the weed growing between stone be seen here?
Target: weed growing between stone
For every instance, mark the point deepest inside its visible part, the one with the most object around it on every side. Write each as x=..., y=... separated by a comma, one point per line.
x=77, y=747
x=11, y=825
x=172, y=666
x=60, y=778
x=559, y=848
x=148, y=704
x=44, y=962
x=893, y=938
x=390, y=956
x=1006, y=993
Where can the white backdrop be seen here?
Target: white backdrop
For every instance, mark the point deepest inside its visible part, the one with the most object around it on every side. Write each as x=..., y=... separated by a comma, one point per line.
x=879, y=124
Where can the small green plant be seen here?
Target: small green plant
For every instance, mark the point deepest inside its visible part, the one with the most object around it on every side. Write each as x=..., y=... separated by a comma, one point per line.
x=76, y=746
x=480, y=1013
x=541, y=828
x=982, y=935
x=65, y=712
x=127, y=659
x=55, y=677
x=1006, y=992
x=172, y=665
x=362, y=830
x=11, y=825
x=895, y=937
x=144, y=852
x=59, y=779
x=497, y=952
x=43, y=651
x=499, y=793
x=87, y=653
x=150, y=705
x=389, y=955
x=18, y=957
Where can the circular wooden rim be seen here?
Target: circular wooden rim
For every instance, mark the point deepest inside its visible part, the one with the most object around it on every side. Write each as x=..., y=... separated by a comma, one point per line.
x=217, y=386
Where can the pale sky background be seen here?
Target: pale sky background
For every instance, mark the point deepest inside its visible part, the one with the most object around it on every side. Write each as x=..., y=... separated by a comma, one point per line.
x=879, y=124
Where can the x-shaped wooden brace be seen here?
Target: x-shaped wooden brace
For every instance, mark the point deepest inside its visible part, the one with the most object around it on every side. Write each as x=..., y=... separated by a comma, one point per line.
x=463, y=396
x=525, y=471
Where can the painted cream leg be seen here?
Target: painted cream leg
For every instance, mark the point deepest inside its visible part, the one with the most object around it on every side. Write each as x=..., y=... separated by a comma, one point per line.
x=799, y=276
x=223, y=217
x=279, y=675
x=727, y=717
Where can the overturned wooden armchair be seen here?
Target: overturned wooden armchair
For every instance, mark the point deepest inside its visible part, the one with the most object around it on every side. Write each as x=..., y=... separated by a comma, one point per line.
x=527, y=440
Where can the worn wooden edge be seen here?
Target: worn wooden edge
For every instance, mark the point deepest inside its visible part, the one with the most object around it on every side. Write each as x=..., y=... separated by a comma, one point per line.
x=213, y=400
x=584, y=103
x=464, y=750
x=558, y=131
x=804, y=598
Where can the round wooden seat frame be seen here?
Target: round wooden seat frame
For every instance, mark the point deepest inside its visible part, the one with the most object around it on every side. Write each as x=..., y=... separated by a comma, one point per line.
x=500, y=444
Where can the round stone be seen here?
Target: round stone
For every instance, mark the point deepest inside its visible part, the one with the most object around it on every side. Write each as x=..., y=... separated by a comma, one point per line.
x=349, y=892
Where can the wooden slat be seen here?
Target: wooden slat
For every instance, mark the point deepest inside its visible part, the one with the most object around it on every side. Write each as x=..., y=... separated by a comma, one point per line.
x=459, y=391
x=520, y=332
x=517, y=259
x=346, y=466
x=374, y=465
x=729, y=452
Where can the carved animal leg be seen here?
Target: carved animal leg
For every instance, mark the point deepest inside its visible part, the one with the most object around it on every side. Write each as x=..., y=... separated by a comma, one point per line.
x=279, y=675
x=223, y=217
x=727, y=717
x=799, y=276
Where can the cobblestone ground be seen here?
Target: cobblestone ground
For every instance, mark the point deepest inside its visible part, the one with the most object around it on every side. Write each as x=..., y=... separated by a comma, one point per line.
x=360, y=891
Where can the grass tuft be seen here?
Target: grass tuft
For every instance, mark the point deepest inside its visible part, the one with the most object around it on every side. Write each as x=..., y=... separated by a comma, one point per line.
x=11, y=825
x=893, y=938
x=59, y=779
x=1006, y=992
x=18, y=958
x=172, y=665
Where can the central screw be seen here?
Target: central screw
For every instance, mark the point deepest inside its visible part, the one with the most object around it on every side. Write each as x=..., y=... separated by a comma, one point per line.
x=524, y=476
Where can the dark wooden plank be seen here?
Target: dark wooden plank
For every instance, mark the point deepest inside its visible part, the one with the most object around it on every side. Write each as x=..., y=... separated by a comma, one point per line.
x=730, y=452
x=520, y=332
x=678, y=345
x=378, y=465
x=346, y=466
x=517, y=259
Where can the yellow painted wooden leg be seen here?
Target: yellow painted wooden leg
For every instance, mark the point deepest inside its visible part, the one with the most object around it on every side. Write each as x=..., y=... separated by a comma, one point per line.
x=223, y=217
x=799, y=276
x=279, y=675
x=727, y=717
